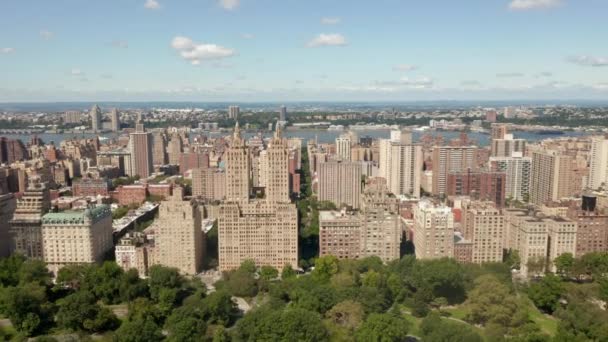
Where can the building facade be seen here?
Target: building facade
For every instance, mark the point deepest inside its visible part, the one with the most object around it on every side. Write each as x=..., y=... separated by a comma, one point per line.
x=340, y=183
x=26, y=225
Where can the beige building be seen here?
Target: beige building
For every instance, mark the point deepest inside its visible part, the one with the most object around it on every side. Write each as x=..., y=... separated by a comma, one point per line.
x=209, y=183
x=507, y=146
x=134, y=251
x=552, y=177
x=263, y=230
x=7, y=208
x=174, y=149
x=115, y=120
x=518, y=170
x=26, y=225
x=373, y=231
x=140, y=146
x=484, y=226
x=340, y=183
x=159, y=148
x=178, y=237
x=449, y=159
x=343, y=145
x=433, y=230
x=598, y=164
x=401, y=164
x=76, y=237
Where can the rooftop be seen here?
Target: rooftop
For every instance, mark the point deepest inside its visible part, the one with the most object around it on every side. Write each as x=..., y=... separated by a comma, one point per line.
x=93, y=214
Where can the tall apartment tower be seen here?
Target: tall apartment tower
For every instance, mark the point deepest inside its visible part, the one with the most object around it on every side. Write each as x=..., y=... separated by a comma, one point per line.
x=518, y=171
x=76, y=237
x=401, y=164
x=598, y=164
x=484, y=226
x=178, y=238
x=95, y=118
x=140, y=145
x=263, y=230
x=159, y=148
x=115, y=119
x=233, y=112
x=238, y=180
x=381, y=235
x=507, y=146
x=551, y=176
x=7, y=209
x=343, y=144
x=175, y=149
x=433, y=231
x=448, y=159
x=340, y=183
x=209, y=183
x=499, y=131
x=283, y=114
x=26, y=225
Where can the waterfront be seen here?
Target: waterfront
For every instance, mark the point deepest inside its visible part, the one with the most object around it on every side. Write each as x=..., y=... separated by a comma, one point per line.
x=322, y=136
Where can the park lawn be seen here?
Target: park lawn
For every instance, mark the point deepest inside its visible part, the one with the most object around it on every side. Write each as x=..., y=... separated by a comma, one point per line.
x=546, y=323
x=414, y=329
x=456, y=311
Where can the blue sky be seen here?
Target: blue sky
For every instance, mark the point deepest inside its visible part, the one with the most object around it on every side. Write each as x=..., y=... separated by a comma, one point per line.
x=293, y=50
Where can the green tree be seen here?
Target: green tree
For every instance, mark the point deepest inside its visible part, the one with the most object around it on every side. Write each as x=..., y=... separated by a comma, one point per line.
x=241, y=283
x=287, y=272
x=564, y=264
x=383, y=328
x=268, y=273
x=163, y=278
x=281, y=325
x=9, y=270
x=219, y=308
x=27, y=307
x=139, y=330
x=546, y=292
x=79, y=311
x=34, y=271
x=348, y=314
x=439, y=278
x=325, y=267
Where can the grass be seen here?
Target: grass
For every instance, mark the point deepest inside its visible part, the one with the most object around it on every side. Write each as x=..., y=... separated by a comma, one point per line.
x=457, y=312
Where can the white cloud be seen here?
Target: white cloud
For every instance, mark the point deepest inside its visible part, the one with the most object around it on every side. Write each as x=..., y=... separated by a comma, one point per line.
x=405, y=67
x=600, y=86
x=509, y=75
x=152, y=4
x=589, y=61
x=7, y=50
x=195, y=53
x=46, y=34
x=229, y=4
x=328, y=39
x=532, y=4
x=418, y=83
x=120, y=44
x=247, y=35
x=330, y=20
x=76, y=72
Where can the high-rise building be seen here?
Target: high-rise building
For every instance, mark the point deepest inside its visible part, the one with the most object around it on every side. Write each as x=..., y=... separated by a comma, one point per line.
x=401, y=164
x=552, y=176
x=95, y=115
x=499, y=131
x=26, y=225
x=115, y=120
x=233, y=112
x=7, y=209
x=175, y=149
x=433, y=230
x=238, y=179
x=507, y=146
x=76, y=237
x=518, y=170
x=373, y=231
x=263, y=230
x=209, y=183
x=592, y=232
x=159, y=148
x=12, y=150
x=283, y=114
x=484, y=226
x=343, y=144
x=72, y=116
x=448, y=159
x=598, y=163
x=178, y=237
x=480, y=185
x=140, y=145
x=340, y=183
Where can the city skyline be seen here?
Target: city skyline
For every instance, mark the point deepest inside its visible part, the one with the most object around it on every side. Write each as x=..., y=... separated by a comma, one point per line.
x=231, y=50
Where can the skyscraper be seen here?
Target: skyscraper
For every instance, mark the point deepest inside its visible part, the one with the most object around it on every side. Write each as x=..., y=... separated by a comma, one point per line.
x=283, y=114
x=507, y=146
x=518, y=171
x=263, y=230
x=401, y=164
x=7, y=209
x=115, y=119
x=26, y=225
x=448, y=159
x=178, y=238
x=175, y=149
x=95, y=118
x=551, y=176
x=340, y=183
x=159, y=150
x=140, y=145
x=484, y=225
x=233, y=112
x=598, y=163
x=433, y=231
x=343, y=144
